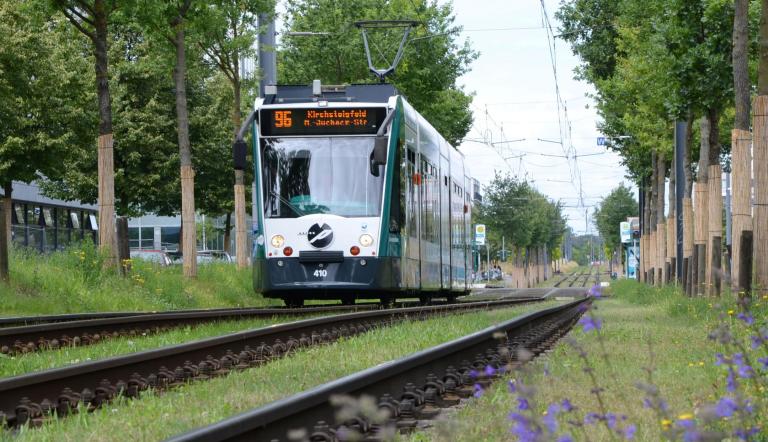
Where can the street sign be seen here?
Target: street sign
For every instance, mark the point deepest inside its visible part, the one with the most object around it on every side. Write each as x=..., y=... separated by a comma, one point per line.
x=601, y=141
x=625, y=231
x=480, y=234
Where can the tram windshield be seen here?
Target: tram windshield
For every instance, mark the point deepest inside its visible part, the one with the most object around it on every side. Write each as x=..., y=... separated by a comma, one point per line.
x=305, y=176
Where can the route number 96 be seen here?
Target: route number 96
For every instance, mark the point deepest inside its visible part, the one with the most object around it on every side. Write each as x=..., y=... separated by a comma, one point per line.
x=283, y=119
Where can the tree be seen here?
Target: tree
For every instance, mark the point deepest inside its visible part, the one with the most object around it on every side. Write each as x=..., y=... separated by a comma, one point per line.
x=91, y=18
x=432, y=62
x=40, y=71
x=612, y=210
x=229, y=33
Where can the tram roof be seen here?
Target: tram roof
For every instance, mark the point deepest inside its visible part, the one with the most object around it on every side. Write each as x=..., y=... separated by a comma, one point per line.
x=353, y=93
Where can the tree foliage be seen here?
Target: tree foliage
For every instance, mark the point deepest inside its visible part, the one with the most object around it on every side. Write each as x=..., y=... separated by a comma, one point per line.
x=612, y=210
x=434, y=58
x=514, y=209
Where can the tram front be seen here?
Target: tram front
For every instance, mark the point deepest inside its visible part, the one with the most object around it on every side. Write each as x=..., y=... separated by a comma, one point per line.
x=321, y=168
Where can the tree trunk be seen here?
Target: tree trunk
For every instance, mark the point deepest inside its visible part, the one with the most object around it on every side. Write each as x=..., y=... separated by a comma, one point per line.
x=661, y=234
x=5, y=231
x=715, y=204
x=241, y=230
x=189, y=232
x=106, y=167
x=671, y=222
x=701, y=208
x=741, y=83
x=762, y=65
x=687, y=158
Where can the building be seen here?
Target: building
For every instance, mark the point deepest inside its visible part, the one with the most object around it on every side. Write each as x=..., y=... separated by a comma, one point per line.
x=48, y=224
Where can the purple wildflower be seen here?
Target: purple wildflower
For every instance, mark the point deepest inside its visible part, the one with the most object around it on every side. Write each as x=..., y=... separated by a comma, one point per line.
x=730, y=381
x=589, y=323
x=591, y=418
x=478, y=390
x=746, y=434
x=524, y=428
x=763, y=361
x=610, y=419
x=522, y=404
x=629, y=431
x=757, y=341
x=692, y=436
x=726, y=407
x=747, y=318
x=565, y=438
x=744, y=370
x=566, y=405
x=512, y=385
x=720, y=359
x=473, y=374
x=550, y=419
x=686, y=423
x=595, y=291
x=489, y=370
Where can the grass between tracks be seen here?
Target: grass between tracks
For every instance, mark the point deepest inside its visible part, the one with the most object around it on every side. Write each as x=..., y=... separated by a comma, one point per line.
x=30, y=362
x=156, y=417
x=642, y=330
x=75, y=280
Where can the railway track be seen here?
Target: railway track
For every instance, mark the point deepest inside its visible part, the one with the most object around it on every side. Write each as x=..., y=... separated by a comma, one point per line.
x=33, y=398
x=407, y=391
x=79, y=332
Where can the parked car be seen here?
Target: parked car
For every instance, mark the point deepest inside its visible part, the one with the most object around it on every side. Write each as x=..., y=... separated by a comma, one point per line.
x=155, y=256
x=208, y=256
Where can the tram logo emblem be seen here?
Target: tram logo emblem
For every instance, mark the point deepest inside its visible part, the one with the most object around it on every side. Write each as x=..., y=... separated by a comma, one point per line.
x=320, y=236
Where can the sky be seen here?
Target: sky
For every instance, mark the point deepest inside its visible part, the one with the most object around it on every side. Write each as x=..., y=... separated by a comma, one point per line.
x=515, y=98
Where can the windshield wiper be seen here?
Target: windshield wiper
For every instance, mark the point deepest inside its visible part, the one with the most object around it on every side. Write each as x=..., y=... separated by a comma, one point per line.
x=295, y=209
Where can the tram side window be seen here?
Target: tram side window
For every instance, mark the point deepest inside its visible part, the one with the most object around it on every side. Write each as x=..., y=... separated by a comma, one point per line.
x=430, y=195
x=412, y=202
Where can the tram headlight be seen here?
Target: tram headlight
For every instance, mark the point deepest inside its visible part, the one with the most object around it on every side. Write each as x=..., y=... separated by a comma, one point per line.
x=277, y=241
x=366, y=240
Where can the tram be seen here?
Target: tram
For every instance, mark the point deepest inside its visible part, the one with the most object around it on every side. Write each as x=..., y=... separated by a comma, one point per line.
x=359, y=197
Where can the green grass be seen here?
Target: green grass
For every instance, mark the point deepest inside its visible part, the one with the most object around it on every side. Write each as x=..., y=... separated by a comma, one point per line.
x=638, y=322
x=30, y=362
x=156, y=417
x=74, y=281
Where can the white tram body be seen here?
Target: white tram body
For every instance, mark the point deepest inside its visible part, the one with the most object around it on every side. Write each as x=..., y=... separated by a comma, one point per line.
x=358, y=196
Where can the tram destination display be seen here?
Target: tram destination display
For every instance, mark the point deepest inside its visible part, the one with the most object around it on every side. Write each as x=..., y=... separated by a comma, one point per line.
x=322, y=121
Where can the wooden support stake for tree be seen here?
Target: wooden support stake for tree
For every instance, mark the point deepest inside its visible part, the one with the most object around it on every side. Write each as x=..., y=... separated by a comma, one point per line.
x=716, y=264
x=700, y=235
x=688, y=240
x=685, y=275
x=715, y=229
x=241, y=232
x=106, y=179
x=189, y=232
x=760, y=228
x=741, y=210
x=745, y=263
x=123, y=245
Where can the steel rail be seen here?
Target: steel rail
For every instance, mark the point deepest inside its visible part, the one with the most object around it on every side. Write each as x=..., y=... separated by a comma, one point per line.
x=33, y=397
x=564, y=278
x=496, y=347
x=30, y=338
x=61, y=334
x=17, y=321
